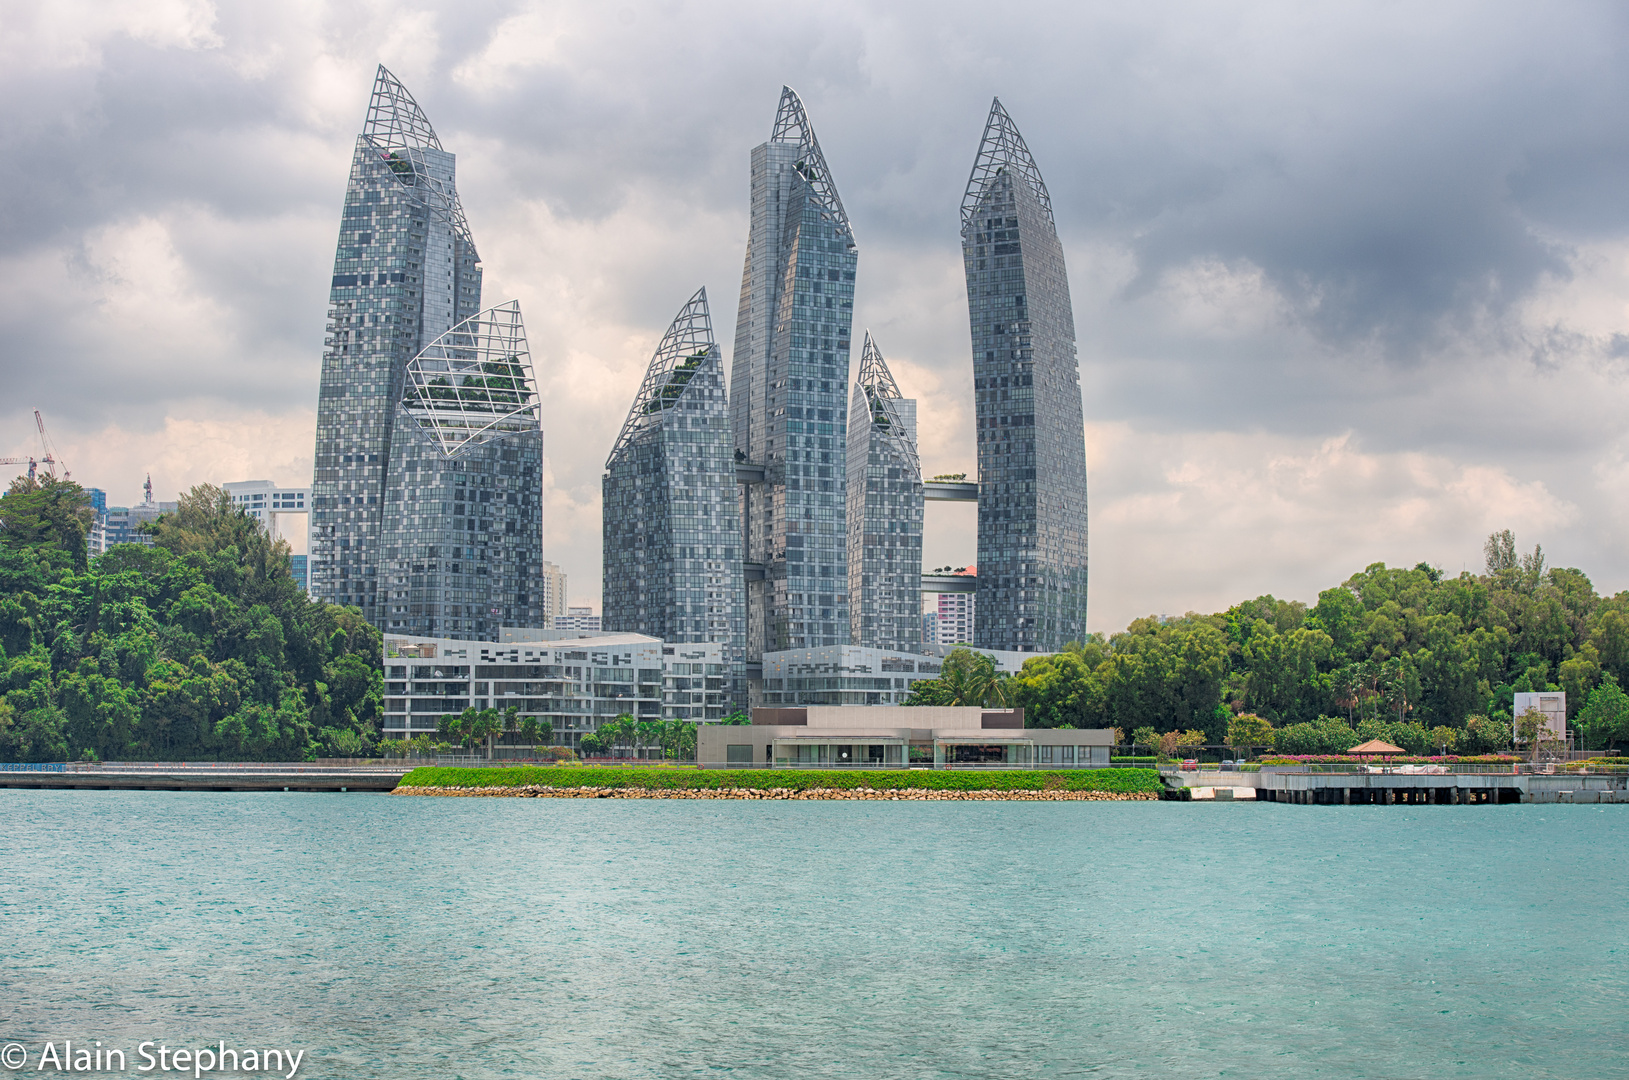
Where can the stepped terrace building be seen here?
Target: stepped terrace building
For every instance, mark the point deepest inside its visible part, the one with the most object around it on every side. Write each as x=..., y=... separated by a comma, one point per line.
x=884, y=511
x=788, y=392
x=425, y=508
x=1026, y=381
x=672, y=526
x=576, y=680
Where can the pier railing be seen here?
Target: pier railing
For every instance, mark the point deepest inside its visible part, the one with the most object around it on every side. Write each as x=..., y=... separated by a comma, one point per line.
x=1521, y=768
x=302, y=767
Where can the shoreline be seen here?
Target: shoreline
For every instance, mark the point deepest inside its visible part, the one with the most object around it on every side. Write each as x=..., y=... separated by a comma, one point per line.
x=538, y=791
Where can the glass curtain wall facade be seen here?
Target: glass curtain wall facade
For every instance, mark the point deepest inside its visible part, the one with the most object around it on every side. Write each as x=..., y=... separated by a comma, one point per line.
x=672, y=526
x=788, y=391
x=462, y=529
x=1026, y=380
x=405, y=272
x=884, y=511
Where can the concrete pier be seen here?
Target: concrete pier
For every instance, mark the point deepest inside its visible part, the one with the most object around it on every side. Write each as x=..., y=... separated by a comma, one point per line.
x=1304, y=788
x=223, y=777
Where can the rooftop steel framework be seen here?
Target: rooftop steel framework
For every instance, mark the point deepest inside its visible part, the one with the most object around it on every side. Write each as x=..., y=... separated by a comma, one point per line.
x=688, y=341
x=474, y=383
x=394, y=119
x=1001, y=149
x=792, y=126
x=401, y=132
x=883, y=392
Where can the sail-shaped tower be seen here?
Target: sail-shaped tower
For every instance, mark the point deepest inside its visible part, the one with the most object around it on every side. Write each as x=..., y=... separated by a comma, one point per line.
x=406, y=273
x=1026, y=380
x=463, y=521
x=884, y=511
x=672, y=527
x=788, y=391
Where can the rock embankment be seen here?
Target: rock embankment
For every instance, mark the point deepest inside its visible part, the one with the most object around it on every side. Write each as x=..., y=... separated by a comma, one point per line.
x=534, y=791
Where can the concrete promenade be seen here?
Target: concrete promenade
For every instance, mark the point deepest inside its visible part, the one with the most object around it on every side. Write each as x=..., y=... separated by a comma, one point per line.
x=1388, y=788
x=225, y=776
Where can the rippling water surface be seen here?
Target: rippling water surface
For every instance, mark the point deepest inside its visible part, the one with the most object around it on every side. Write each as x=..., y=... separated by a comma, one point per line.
x=411, y=937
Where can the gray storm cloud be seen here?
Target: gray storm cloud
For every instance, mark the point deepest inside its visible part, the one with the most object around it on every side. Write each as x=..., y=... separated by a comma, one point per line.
x=1350, y=283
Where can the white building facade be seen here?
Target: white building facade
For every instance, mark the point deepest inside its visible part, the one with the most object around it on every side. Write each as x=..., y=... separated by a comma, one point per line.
x=578, y=618
x=949, y=620
x=575, y=681
x=856, y=675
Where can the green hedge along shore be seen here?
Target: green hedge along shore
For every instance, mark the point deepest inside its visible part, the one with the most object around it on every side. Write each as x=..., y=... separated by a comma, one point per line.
x=604, y=782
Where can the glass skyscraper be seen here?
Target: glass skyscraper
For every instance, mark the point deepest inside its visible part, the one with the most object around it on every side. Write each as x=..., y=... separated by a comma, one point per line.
x=788, y=391
x=1026, y=381
x=884, y=511
x=406, y=274
x=463, y=523
x=672, y=525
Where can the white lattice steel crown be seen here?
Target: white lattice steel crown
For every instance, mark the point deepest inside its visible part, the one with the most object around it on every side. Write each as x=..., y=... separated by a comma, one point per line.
x=474, y=384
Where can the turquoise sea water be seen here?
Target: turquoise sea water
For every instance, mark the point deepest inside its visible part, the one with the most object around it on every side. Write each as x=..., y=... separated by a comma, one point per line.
x=406, y=937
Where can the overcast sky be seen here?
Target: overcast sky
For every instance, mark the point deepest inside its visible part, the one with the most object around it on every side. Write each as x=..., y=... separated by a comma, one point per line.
x=1350, y=282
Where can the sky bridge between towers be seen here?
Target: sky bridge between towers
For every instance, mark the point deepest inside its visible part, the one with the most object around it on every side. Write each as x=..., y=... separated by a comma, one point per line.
x=751, y=472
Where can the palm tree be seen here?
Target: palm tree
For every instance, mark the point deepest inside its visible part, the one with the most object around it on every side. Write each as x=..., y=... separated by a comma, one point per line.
x=971, y=678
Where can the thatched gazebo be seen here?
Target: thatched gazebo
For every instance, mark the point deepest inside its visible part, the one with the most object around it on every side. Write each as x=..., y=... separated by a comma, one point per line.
x=1376, y=746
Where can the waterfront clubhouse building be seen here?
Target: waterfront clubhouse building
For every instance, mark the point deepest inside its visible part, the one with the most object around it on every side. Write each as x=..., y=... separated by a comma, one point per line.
x=892, y=737
x=788, y=392
x=672, y=525
x=1026, y=384
x=426, y=498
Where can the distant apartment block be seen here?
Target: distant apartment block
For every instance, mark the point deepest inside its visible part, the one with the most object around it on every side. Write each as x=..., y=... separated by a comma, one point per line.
x=950, y=619
x=96, y=539
x=551, y=584
x=268, y=504
x=122, y=524
x=579, y=618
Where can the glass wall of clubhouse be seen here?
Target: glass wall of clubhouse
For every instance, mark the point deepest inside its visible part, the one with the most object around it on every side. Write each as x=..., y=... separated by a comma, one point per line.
x=892, y=737
x=957, y=752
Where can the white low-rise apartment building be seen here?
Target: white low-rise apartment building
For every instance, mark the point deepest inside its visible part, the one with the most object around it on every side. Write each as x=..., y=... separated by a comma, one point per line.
x=575, y=680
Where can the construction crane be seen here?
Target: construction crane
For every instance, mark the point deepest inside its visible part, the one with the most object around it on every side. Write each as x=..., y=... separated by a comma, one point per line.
x=52, y=454
x=49, y=455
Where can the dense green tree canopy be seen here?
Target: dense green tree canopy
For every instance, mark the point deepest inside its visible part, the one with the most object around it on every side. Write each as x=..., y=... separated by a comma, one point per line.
x=1406, y=647
x=199, y=647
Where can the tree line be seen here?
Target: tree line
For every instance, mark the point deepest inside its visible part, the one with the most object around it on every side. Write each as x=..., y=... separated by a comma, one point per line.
x=202, y=646
x=1411, y=655
x=198, y=647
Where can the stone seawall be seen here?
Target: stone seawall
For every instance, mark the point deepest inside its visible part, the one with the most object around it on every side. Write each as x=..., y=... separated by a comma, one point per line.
x=533, y=791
